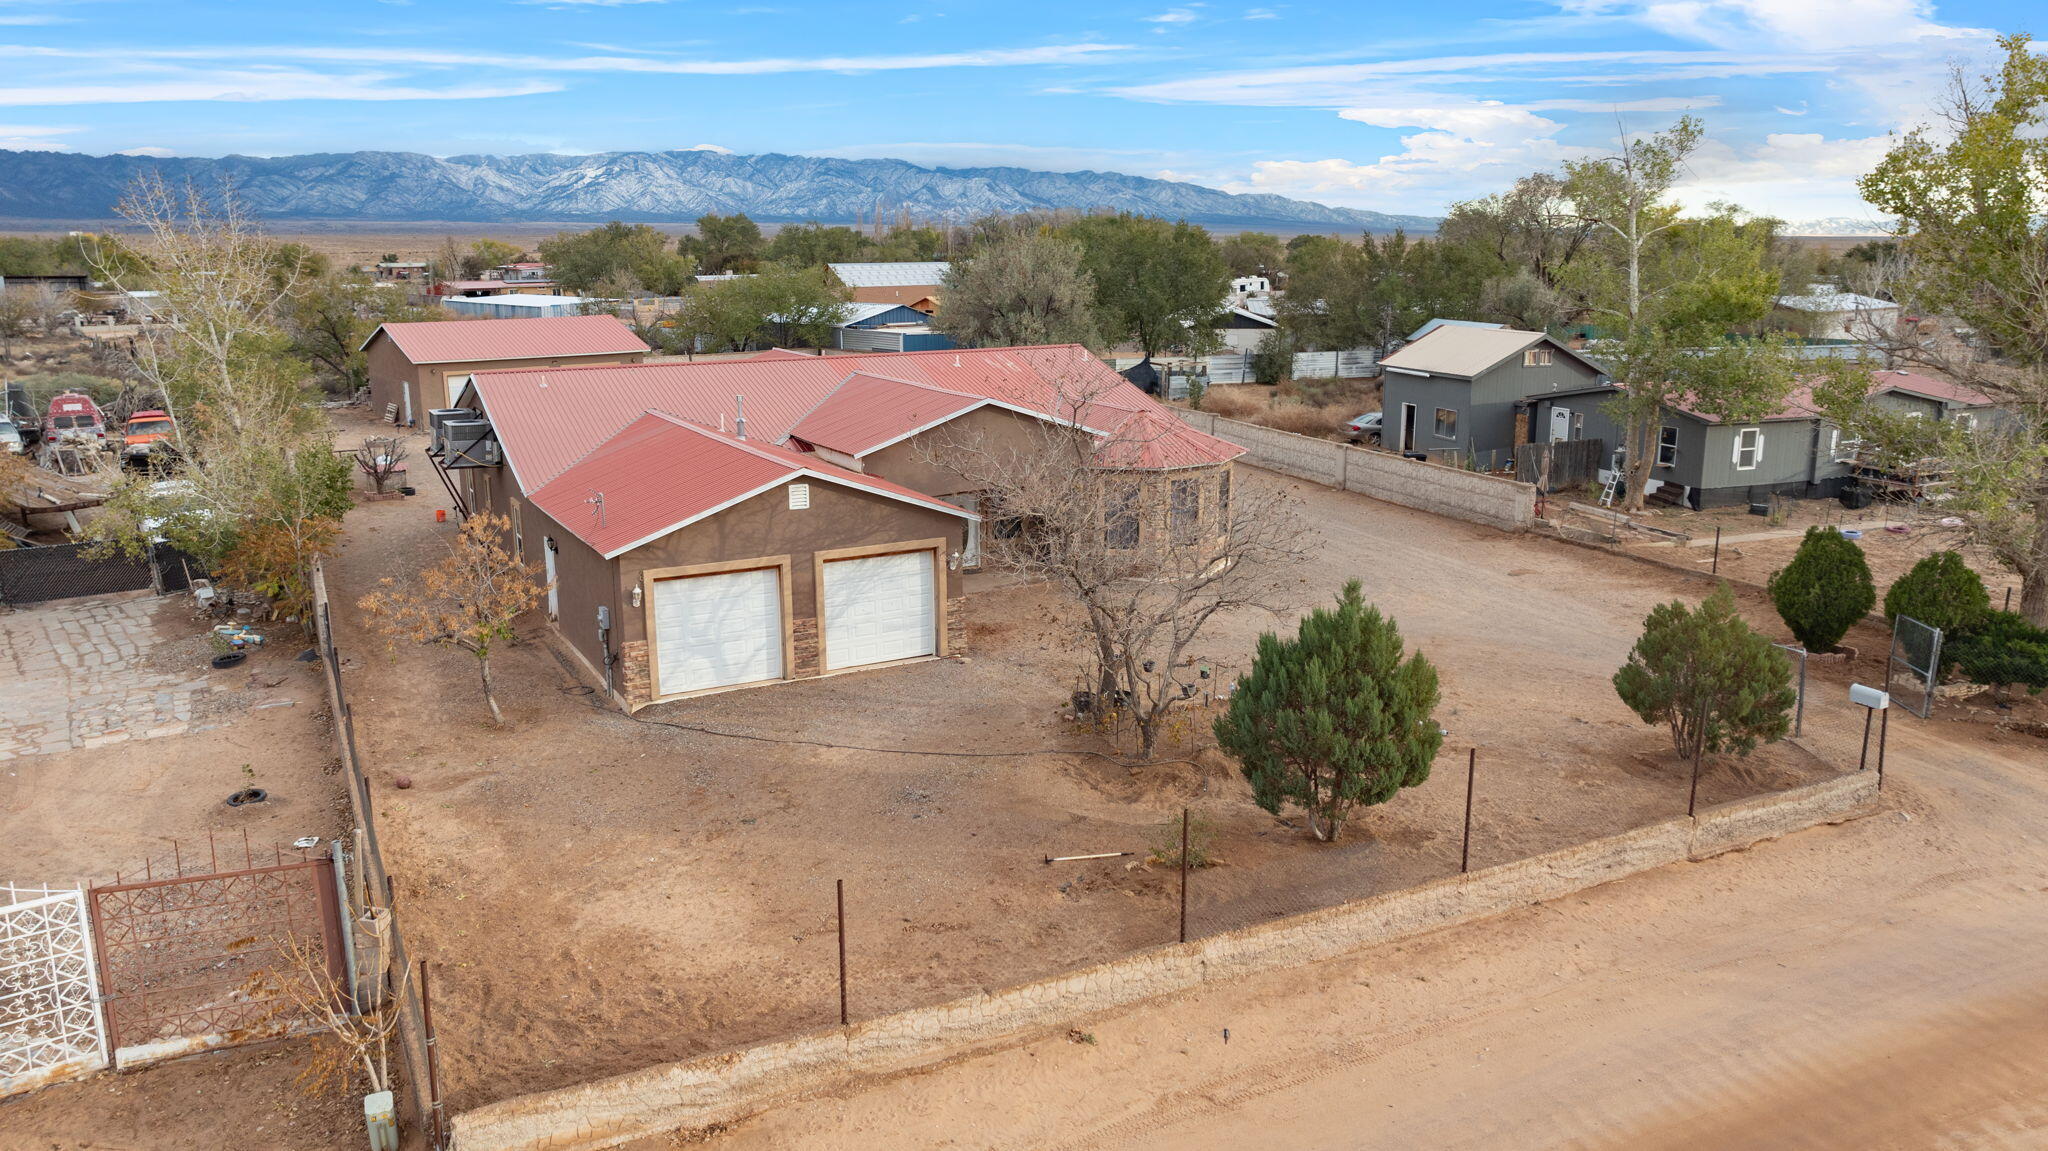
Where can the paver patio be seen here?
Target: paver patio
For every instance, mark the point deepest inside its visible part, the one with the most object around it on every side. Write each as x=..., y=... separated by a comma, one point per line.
x=77, y=678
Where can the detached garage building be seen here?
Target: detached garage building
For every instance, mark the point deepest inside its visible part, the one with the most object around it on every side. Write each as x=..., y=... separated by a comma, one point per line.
x=420, y=365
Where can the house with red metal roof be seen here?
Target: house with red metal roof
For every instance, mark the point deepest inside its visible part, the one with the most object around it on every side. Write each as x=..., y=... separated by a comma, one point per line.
x=710, y=525
x=416, y=366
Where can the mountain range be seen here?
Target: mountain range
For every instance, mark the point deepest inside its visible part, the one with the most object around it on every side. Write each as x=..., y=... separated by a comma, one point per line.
x=397, y=187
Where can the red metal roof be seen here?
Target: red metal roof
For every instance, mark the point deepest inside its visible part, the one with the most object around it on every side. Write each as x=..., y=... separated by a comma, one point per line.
x=547, y=418
x=537, y=338
x=869, y=412
x=1914, y=383
x=663, y=472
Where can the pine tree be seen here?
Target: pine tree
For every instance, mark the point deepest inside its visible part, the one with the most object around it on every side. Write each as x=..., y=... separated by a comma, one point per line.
x=1824, y=590
x=1941, y=591
x=2003, y=648
x=1707, y=664
x=1334, y=718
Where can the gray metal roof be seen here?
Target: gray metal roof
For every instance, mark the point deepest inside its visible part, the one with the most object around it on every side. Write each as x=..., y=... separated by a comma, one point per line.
x=902, y=274
x=1440, y=322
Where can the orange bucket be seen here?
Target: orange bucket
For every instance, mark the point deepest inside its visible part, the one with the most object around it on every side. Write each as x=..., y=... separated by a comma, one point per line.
x=440, y=515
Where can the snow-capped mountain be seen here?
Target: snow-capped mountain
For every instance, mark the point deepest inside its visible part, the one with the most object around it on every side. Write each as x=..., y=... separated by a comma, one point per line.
x=664, y=186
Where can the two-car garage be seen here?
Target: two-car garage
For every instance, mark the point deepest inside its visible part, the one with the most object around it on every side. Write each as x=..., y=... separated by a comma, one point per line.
x=730, y=628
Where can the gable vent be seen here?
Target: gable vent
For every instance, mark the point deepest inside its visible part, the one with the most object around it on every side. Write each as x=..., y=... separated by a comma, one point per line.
x=799, y=497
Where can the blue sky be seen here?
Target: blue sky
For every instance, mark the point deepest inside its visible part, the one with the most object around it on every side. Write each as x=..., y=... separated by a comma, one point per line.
x=1396, y=107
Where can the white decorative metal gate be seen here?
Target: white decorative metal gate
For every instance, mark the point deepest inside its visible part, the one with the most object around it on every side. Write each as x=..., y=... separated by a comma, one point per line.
x=50, y=1025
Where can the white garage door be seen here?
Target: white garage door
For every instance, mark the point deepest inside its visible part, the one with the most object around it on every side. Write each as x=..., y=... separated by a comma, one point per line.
x=717, y=630
x=879, y=608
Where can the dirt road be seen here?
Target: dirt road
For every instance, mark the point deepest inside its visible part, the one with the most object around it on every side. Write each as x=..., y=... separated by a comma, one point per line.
x=1879, y=984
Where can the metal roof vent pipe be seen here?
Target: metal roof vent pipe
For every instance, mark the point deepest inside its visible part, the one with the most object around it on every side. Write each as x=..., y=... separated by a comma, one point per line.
x=739, y=416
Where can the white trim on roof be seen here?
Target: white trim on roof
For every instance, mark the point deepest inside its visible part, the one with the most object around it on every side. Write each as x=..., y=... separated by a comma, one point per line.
x=639, y=345
x=934, y=504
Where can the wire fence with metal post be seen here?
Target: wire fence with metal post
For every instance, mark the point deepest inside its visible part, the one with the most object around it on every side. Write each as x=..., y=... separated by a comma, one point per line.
x=839, y=895
x=1183, y=875
x=1699, y=753
x=1471, y=776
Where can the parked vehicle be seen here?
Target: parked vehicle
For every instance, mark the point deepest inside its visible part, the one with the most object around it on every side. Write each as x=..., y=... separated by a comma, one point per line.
x=1364, y=429
x=74, y=417
x=10, y=438
x=146, y=432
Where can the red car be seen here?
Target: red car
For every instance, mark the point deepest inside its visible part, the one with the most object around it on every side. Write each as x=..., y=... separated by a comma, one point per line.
x=73, y=416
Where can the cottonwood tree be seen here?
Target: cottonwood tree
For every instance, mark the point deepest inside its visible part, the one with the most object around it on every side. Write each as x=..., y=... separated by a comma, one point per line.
x=1071, y=509
x=1335, y=718
x=468, y=601
x=1025, y=287
x=1971, y=199
x=1673, y=288
x=1157, y=284
x=254, y=462
x=1714, y=680
x=723, y=244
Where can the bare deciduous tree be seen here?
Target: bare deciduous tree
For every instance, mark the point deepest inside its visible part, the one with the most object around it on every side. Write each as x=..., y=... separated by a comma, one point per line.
x=380, y=458
x=1146, y=556
x=467, y=601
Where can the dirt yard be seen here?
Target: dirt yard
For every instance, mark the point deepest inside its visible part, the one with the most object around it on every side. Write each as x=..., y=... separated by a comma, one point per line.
x=118, y=745
x=603, y=893
x=1894, y=539
x=1873, y=985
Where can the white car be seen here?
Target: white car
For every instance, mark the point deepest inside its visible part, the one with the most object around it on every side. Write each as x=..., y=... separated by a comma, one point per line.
x=1365, y=429
x=10, y=438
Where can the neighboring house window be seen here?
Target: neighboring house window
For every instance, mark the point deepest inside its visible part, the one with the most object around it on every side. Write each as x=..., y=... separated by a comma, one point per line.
x=1578, y=425
x=1537, y=357
x=1120, y=523
x=1446, y=424
x=1667, y=446
x=1966, y=421
x=518, y=537
x=1223, y=495
x=1187, y=510
x=1749, y=448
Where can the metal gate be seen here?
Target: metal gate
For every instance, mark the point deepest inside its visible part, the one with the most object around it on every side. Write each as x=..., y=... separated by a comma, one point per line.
x=181, y=958
x=49, y=1013
x=1914, y=668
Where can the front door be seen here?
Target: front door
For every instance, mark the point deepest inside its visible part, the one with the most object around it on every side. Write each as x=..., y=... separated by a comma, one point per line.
x=547, y=553
x=1560, y=425
x=1407, y=427
x=970, y=552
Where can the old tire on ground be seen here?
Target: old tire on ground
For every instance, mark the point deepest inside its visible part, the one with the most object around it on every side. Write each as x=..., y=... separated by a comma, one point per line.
x=248, y=795
x=230, y=659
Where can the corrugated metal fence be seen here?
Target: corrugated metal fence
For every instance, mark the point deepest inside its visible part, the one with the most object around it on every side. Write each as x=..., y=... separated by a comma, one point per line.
x=1236, y=367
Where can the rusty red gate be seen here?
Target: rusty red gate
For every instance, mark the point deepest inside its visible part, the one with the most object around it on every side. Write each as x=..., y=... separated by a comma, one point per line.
x=182, y=959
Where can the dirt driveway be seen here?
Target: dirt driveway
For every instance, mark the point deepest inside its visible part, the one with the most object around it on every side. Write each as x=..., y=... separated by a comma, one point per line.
x=606, y=892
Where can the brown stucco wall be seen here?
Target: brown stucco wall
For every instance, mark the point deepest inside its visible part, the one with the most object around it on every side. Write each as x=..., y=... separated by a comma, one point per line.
x=391, y=374
x=764, y=527
x=1003, y=429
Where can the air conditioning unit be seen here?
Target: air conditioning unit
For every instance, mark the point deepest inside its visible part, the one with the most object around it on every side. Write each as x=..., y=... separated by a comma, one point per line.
x=438, y=416
x=489, y=452
x=461, y=441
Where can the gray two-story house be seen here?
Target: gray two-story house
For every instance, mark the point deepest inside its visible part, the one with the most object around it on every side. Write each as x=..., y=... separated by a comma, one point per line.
x=1461, y=389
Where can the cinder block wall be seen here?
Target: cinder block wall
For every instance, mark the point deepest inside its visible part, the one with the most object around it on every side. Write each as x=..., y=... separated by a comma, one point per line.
x=1436, y=488
x=725, y=1087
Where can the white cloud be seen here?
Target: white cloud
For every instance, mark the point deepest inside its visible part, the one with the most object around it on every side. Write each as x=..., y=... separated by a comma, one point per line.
x=1261, y=14
x=1172, y=16
x=32, y=137
x=434, y=57
x=260, y=86
x=718, y=148
x=148, y=150
x=1461, y=146
x=1790, y=174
